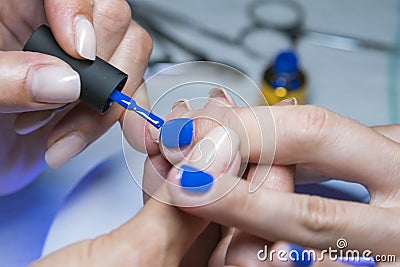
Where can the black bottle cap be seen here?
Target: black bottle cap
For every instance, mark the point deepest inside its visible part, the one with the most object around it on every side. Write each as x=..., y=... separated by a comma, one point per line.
x=98, y=78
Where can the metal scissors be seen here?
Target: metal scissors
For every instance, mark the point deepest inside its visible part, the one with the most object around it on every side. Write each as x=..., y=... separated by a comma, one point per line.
x=150, y=15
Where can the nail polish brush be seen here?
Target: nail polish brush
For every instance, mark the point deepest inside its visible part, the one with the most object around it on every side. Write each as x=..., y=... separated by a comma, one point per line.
x=101, y=82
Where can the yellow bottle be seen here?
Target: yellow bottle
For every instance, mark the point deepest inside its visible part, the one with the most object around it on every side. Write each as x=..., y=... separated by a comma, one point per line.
x=284, y=80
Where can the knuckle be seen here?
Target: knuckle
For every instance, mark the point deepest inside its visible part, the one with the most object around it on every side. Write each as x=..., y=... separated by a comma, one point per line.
x=318, y=215
x=145, y=40
x=117, y=14
x=314, y=124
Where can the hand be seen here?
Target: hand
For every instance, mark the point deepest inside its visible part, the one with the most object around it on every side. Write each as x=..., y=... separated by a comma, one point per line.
x=323, y=142
x=35, y=88
x=160, y=234
x=158, y=164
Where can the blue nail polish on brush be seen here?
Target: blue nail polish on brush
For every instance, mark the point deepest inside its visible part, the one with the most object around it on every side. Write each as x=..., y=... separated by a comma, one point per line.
x=194, y=180
x=177, y=133
x=299, y=256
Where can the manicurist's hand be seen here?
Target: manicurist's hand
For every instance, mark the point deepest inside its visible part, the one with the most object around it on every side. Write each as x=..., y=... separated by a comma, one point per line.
x=318, y=142
x=39, y=113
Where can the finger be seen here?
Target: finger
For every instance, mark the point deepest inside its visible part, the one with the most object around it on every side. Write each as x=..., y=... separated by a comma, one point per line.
x=131, y=244
x=281, y=177
x=307, y=175
x=309, y=220
x=241, y=251
x=28, y=122
x=111, y=19
x=390, y=131
x=276, y=177
x=72, y=26
x=157, y=165
x=218, y=257
x=222, y=162
x=82, y=125
x=177, y=234
x=172, y=143
x=33, y=81
x=310, y=136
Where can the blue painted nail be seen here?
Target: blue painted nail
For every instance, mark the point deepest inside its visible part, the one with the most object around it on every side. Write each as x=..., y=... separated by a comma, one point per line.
x=177, y=133
x=194, y=180
x=299, y=256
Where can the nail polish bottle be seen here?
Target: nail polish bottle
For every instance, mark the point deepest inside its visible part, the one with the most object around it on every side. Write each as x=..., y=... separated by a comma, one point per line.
x=284, y=79
x=99, y=79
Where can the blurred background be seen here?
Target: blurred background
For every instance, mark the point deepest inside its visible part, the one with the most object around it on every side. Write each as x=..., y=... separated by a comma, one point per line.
x=347, y=50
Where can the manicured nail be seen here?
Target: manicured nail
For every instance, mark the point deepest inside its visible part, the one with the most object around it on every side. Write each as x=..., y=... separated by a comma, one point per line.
x=177, y=133
x=299, y=257
x=53, y=84
x=29, y=122
x=85, y=37
x=221, y=93
x=194, y=180
x=65, y=149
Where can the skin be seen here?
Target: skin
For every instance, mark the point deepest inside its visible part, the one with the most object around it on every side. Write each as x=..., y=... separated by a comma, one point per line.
x=326, y=145
x=340, y=154
x=120, y=41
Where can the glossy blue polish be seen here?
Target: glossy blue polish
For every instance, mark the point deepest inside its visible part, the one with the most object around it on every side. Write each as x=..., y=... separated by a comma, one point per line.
x=130, y=104
x=177, y=133
x=194, y=180
x=299, y=257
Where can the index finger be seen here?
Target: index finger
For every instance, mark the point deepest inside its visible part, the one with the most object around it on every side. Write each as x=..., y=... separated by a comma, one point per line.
x=301, y=219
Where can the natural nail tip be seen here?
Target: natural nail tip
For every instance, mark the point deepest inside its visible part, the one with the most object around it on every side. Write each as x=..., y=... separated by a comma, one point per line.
x=216, y=92
x=85, y=38
x=65, y=149
x=221, y=93
x=184, y=103
x=292, y=101
x=177, y=133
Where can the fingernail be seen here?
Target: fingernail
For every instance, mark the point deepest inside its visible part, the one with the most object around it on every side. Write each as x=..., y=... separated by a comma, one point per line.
x=53, y=84
x=85, y=37
x=177, y=133
x=223, y=94
x=65, y=149
x=182, y=103
x=194, y=180
x=299, y=256
x=289, y=101
x=29, y=122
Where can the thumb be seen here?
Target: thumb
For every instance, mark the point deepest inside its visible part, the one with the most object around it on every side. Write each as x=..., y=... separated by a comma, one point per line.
x=33, y=81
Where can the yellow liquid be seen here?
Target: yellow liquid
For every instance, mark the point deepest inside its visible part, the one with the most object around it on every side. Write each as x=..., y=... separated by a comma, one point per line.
x=275, y=95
